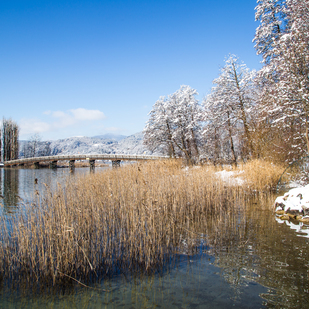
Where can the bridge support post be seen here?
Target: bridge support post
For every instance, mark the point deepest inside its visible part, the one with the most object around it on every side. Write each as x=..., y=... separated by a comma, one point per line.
x=53, y=164
x=36, y=165
x=116, y=163
x=72, y=165
x=92, y=165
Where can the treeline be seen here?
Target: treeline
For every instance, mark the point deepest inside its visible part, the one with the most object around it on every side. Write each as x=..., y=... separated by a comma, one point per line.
x=248, y=114
x=9, y=141
x=35, y=147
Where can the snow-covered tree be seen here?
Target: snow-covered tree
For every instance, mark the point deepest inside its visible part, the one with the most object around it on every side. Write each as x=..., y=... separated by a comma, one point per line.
x=219, y=132
x=228, y=107
x=158, y=129
x=273, y=23
x=286, y=95
x=293, y=66
x=186, y=121
x=174, y=124
x=10, y=141
x=30, y=147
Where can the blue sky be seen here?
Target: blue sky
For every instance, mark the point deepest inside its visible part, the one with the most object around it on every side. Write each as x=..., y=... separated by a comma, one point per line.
x=90, y=67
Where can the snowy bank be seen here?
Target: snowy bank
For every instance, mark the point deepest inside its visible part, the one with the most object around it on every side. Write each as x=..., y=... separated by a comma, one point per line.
x=230, y=177
x=294, y=204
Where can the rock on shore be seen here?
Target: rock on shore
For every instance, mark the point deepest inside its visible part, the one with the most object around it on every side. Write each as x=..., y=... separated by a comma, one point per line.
x=294, y=204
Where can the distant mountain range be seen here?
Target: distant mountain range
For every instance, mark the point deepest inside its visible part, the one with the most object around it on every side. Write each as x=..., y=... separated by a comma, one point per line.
x=108, y=143
x=111, y=136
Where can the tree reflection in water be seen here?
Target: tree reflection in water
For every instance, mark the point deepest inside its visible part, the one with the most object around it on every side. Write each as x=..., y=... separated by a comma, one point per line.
x=251, y=249
x=9, y=187
x=250, y=245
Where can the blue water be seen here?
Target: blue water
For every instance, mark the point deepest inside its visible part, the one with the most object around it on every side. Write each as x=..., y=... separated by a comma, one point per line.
x=249, y=261
x=194, y=283
x=19, y=185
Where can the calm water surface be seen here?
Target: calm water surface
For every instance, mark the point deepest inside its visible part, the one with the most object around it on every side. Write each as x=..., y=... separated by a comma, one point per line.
x=18, y=185
x=251, y=260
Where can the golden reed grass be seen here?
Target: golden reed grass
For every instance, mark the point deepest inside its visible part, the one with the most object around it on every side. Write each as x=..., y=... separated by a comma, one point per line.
x=261, y=176
x=134, y=218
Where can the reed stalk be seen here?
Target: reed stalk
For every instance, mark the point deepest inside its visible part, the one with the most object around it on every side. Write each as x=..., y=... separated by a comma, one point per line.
x=132, y=219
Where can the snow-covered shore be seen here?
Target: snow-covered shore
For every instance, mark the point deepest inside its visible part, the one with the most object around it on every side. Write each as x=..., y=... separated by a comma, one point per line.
x=294, y=204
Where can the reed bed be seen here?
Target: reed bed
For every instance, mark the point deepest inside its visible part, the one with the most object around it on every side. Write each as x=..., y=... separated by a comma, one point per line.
x=132, y=219
x=261, y=176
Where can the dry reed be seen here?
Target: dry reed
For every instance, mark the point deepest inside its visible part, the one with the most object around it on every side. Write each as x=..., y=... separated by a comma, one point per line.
x=261, y=176
x=130, y=219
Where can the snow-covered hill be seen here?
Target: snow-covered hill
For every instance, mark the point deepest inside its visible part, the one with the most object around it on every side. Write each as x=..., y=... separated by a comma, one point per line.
x=111, y=136
x=92, y=145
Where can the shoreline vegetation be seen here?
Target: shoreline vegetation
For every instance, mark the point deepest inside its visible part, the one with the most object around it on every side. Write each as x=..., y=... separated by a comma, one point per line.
x=65, y=164
x=136, y=218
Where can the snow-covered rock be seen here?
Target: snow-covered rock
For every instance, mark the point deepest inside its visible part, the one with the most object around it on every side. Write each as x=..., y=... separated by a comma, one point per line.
x=294, y=204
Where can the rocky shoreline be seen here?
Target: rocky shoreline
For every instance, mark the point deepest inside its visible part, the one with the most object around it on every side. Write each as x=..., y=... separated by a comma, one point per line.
x=293, y=205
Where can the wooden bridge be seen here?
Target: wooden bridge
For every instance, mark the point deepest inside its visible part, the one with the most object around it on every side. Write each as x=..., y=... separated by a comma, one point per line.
x=52, y=160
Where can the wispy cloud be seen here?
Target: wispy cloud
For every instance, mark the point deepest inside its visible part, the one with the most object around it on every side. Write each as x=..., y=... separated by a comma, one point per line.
x=60, y=120
x=87, y=114
x=32, y=126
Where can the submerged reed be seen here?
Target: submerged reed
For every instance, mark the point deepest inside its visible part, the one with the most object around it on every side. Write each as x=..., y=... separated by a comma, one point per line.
x=134, y=218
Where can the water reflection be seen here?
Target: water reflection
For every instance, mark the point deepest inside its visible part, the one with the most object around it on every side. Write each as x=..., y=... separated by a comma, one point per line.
x=194, y=282
x=18, y=186
x=257, y=248
x=251, y=260
x=9, y=180
x=302, y=229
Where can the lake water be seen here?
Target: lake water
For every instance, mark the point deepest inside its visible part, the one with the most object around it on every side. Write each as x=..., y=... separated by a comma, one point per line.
x=18, y=185
x=251, y=260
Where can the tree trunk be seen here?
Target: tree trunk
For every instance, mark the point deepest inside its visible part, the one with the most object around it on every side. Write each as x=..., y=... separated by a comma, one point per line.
x=243, y=113
x=231, y=138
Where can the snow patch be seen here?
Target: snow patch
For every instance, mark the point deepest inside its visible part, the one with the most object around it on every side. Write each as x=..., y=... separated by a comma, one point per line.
x=296, y=199
x=231, y=177
x=294, y=205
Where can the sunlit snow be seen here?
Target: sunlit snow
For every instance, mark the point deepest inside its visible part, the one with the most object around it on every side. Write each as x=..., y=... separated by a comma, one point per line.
x=231, y=177
x=296, y=199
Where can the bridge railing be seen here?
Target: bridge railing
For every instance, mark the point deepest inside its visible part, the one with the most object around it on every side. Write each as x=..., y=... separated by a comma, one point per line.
x=112, y=157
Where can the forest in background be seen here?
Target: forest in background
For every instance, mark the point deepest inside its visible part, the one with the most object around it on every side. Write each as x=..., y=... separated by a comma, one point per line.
x=248, y=114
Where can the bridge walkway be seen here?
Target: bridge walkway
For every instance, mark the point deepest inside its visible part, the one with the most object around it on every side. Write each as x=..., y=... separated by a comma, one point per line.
x=115, y=158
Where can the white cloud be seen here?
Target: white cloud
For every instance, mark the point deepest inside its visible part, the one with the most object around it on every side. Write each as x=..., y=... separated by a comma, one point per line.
x=87, y=114
x=32, y=126
x=59, y=114
x=57, y=120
